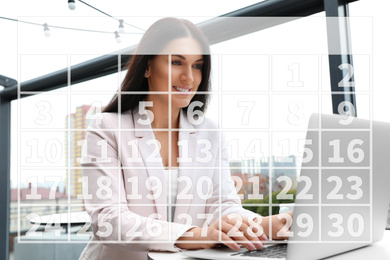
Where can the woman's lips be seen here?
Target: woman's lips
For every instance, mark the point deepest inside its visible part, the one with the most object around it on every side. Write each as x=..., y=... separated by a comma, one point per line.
x=182, y=89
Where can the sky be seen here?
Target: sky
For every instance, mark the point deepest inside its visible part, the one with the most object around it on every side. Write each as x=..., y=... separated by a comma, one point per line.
x=139, y=13
x=26, y=53
x=21, y=41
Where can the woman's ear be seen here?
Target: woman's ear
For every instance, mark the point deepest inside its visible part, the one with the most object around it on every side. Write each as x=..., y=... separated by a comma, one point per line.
x=147, y=71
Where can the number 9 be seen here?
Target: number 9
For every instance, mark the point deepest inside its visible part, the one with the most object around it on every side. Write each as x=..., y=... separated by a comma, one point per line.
x=351, y=112
x=308, y=224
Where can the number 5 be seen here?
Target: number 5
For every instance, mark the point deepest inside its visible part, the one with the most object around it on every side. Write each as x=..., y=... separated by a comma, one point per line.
x=307, y=151
x=143, y=111
x=103, y=221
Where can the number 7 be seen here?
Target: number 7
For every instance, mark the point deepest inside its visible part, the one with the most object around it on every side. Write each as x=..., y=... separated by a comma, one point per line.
x=249, y=106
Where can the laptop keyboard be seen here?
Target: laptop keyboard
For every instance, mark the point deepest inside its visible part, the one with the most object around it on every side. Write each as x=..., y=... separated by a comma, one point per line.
x=276, y=251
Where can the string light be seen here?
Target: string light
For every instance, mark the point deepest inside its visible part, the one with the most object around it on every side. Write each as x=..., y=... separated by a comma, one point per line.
x=46, y=30
x=71, y=4
x=62, y=27
x=117, y=37
x=121, y=27
x=81, y=1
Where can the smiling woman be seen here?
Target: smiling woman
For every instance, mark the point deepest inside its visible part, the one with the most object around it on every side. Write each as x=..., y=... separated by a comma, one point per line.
x=184, y=79
x=168, y=36
x=155, y=168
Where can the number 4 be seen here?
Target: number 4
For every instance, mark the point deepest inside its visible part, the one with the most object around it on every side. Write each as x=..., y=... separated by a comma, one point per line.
x=97, y=107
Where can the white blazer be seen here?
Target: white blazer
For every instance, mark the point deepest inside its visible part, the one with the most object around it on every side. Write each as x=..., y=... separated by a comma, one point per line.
x=126, y=194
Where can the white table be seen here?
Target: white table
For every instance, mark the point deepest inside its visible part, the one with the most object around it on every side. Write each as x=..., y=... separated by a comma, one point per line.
x=50, y=246
x=377, y=251
x=54, y=243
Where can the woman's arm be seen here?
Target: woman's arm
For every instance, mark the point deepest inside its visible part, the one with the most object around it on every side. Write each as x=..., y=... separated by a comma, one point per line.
x=230, y=224
x=227, y=211
x=113, y=220
x=230, y=230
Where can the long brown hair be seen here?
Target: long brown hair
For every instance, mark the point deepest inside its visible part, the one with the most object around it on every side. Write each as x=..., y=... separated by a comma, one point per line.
x=153, y=41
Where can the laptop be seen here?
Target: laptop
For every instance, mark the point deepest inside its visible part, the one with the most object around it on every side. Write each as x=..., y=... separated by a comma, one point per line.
x=346, y=205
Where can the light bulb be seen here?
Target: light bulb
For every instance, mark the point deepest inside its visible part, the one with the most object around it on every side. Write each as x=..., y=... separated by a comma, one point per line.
x=71, y=4
x=121, y=27
x=46, y=30
x=117, y=37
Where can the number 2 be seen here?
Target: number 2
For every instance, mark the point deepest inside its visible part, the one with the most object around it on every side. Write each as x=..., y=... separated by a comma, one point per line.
x=345, y=82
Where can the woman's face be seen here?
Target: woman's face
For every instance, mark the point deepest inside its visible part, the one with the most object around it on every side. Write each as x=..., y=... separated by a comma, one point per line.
x=184, y=64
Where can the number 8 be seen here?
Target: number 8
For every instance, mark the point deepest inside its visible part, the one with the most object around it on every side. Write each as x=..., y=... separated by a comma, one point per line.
x=104, y=187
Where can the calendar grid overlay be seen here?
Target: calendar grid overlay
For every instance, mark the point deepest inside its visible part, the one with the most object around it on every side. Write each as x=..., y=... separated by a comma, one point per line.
x=270, y=93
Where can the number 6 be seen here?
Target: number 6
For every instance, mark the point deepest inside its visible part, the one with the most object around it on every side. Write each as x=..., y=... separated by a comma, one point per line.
x=191, y=113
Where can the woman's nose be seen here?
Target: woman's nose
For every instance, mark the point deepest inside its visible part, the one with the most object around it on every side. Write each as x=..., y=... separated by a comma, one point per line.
x=187, y=75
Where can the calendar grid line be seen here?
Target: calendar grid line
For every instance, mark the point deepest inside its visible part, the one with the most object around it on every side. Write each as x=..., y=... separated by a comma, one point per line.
x=18, y=140
x=270, y=173
x=320, y=170
x=22, y=205
x=184, y=242
x=371, y=156
x=262, y=130
x=119, y=171
x=169, y=142
x=220, y=145
x=68, y=122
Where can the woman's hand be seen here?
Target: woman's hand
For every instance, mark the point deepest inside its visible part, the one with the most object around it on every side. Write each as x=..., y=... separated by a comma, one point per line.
x=230, y=230
x=281, y=224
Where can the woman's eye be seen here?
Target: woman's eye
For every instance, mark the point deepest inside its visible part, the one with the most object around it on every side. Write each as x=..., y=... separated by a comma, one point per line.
x=176, y=62
x=198, y=66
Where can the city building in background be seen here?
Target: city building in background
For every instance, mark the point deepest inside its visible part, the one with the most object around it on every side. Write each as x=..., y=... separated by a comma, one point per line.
x=78, y=123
